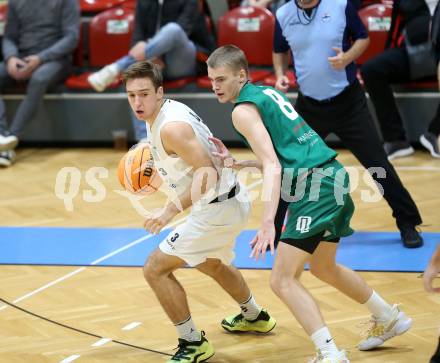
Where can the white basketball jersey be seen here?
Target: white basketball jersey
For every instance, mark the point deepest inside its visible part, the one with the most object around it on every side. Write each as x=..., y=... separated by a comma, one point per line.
x=176, y=173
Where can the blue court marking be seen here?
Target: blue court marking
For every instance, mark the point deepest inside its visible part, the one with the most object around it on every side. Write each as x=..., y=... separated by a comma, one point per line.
x=73, y=246
x=367, y=251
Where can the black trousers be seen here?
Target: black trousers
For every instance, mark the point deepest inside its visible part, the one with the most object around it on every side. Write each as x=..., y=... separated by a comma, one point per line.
x=379, y=73
x=434, y=126
x=436, y=357
x=347, y=116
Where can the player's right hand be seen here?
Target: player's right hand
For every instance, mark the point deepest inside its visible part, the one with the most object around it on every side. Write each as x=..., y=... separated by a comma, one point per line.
x=282, y=84
x=222, y=152
x=429, y=275
x=158, y=219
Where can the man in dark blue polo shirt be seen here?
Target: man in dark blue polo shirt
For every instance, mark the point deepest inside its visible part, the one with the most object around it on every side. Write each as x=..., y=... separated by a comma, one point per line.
x=325, y=37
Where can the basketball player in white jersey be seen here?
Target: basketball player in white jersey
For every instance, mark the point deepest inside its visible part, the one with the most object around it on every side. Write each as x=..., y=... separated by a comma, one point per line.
x=182, y=153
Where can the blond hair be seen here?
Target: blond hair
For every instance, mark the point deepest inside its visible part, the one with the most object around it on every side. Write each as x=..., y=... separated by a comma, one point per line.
x=230, y=56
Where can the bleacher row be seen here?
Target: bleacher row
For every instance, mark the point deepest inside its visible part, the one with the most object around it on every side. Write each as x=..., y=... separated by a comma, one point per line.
x=107, y=27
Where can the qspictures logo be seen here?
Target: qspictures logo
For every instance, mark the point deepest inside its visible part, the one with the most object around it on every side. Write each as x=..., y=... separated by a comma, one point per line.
x=296, y=185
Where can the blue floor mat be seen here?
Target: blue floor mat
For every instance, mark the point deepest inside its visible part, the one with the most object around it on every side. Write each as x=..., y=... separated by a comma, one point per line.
x=365, y=251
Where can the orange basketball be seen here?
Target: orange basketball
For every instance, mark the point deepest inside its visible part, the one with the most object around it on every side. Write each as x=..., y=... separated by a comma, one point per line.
x=136, y=171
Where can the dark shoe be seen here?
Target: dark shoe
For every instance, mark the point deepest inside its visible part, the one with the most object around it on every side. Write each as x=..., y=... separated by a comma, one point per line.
x=7, y=158
x=264, y=323
x=398, y=149
x=431, y=142
x=193, y=352
x=411, y=238
x=436, y=357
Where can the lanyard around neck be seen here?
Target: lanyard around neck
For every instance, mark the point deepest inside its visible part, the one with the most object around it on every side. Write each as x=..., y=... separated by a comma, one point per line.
x=303, y=17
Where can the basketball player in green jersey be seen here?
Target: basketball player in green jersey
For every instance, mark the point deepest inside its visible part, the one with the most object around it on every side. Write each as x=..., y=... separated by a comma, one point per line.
x=286, y=147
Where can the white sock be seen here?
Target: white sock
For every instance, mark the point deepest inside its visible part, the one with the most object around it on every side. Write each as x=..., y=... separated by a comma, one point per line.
x=324, y=342
x=187, y=330
x=250, y=309
x=379, y=307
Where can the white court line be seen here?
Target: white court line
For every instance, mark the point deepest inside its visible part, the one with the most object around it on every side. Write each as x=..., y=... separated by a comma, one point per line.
x=73, y=273
x=132, y=325
x=134, y=243
x=62, y=278
x=71, y=358
x=101, y=342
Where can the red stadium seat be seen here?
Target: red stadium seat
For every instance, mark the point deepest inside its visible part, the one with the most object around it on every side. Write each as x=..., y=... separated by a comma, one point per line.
x=110, y=36
x=130, y=4
x=377, y=20
x=109, y=39
x=430, y=84
x=366, y=3
x=255, y=75
x=271, y=80
x=3, y=16
x=96, y=6
x=251, y=29
x=203, y=82
x=78, y=53
x=178, y=83
x=80, y=82
x=369, y=2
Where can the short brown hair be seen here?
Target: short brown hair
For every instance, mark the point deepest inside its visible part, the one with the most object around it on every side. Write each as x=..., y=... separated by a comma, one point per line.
x=144, y=69
x=230, y=56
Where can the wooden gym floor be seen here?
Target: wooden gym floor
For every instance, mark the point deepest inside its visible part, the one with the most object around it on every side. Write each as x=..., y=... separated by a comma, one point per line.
x=98, y=302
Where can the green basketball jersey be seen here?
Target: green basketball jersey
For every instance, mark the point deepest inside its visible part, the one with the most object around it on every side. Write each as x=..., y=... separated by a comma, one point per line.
x=297, y=145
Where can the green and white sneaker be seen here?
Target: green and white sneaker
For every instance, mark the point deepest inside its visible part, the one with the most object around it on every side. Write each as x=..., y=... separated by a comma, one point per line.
x=238, y=324
x=193, y=352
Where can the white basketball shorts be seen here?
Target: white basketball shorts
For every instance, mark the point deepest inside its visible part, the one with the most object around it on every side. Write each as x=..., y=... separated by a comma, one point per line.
x=209, y=232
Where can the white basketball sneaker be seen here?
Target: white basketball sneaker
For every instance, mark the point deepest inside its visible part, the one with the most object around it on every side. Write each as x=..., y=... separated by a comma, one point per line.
x=7, y=158
x=104, y=77
x=8, y=142
x=338, y=358
x=380, y=331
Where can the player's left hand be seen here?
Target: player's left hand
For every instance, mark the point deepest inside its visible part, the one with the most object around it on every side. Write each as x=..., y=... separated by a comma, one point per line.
x=158, y=219
x=222, y=153
x=340, y=61
x=264, y=238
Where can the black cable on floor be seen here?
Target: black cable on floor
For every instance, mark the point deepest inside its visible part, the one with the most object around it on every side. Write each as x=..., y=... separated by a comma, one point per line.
x=79, y=330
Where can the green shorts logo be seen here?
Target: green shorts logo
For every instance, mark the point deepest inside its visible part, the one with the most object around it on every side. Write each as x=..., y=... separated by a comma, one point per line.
x=303, y=224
